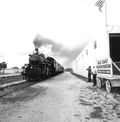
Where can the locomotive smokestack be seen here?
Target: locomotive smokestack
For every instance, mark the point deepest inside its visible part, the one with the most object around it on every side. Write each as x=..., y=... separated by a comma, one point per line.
x=36, y=50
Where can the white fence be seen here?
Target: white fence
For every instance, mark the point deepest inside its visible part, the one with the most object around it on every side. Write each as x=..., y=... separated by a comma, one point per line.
x=10, y=71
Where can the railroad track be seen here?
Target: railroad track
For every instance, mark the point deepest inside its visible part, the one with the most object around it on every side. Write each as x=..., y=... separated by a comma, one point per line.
x=14, y=88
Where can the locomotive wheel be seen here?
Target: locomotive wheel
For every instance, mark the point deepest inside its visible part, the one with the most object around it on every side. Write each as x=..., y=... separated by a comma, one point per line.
x=108, y=86
x=99, y=82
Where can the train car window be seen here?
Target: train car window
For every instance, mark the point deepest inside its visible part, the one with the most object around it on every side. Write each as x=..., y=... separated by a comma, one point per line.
x=95, y=44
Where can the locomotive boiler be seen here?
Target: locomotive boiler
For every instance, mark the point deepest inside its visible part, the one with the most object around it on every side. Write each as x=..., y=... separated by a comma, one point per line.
x=40, y=67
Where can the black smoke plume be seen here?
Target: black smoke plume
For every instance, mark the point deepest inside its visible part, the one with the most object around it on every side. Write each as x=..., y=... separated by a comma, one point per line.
x=40, y=41
x=58, y=49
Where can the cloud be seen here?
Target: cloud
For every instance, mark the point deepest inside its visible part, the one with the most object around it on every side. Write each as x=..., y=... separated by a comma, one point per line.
x=22, y=53
x=71, y=54
x=1, y=55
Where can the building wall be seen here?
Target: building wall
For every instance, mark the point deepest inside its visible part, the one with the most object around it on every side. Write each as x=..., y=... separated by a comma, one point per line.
x=97, y=48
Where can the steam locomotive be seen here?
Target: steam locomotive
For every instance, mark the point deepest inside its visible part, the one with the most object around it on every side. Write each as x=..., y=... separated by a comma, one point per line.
x=40, y=67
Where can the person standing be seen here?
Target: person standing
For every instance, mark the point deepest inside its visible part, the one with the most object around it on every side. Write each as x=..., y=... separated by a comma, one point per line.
x=94, y=73
x=89, y=73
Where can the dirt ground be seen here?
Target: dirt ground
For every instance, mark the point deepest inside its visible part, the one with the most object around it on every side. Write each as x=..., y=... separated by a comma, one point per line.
x=7, y=80
x=64, y=98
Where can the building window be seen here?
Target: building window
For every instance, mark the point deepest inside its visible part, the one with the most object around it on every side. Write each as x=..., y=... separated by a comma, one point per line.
x=95, y=44
x=82, y=55
x=86, y=52
x=76, y=64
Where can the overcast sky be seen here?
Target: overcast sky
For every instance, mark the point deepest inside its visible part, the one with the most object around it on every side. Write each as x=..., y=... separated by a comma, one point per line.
x=67, y=24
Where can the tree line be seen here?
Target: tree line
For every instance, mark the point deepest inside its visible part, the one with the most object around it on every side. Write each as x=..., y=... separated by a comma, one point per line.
x=3, y=66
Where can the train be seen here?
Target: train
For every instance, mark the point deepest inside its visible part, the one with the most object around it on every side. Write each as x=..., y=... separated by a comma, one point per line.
x=103, y=52
x=40, y=67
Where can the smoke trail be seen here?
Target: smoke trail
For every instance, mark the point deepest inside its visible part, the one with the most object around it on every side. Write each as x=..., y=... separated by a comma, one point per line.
x=40, y=41
x=59, y=51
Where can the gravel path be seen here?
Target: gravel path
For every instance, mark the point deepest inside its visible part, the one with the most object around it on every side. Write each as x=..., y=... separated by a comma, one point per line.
x=63, y=98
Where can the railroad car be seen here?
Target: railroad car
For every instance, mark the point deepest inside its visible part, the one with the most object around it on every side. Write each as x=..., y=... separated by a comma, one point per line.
x=40, y=67
x=58, y=68
x=103, y=53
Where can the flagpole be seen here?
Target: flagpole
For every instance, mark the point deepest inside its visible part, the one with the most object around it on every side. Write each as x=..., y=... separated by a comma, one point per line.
x=106, y=16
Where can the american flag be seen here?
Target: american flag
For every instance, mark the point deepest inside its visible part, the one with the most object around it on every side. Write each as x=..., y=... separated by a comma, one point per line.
x=100, y=3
